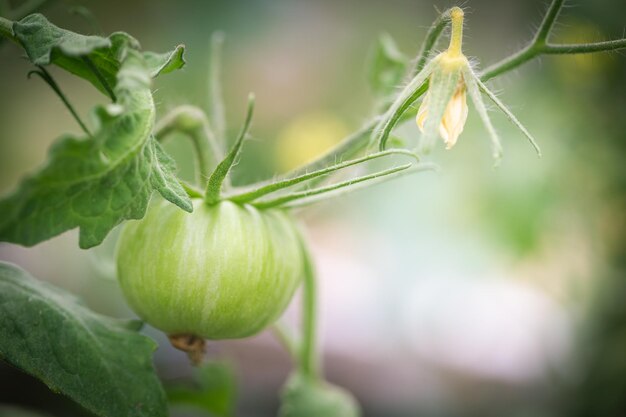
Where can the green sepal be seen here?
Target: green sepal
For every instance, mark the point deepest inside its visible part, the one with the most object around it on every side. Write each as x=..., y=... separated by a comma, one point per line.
x=101, y=363
x=442, y=85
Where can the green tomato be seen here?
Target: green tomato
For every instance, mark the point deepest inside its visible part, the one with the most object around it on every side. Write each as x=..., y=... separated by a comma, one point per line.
x=224, y=271
x=306, y=397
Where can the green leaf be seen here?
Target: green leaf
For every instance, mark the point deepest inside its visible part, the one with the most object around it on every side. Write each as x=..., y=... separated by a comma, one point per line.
x=101, y=363
x=166, y=62
x=305, y=397
x=94, y=58
x=96, y=183
x=214, y=391
x=387, y=66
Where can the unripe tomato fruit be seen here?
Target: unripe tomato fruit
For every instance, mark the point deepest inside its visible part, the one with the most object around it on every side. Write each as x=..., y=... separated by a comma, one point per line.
x=224, y=271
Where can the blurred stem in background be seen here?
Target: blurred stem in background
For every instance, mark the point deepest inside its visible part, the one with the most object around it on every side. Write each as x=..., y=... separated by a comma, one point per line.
x=598, y=387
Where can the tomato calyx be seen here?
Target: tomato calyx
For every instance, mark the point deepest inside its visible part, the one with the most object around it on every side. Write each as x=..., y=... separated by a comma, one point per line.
x=194, y=346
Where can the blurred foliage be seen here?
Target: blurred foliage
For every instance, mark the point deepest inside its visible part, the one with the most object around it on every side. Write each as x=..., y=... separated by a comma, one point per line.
x=8, y=411
x=307, y=137
x=213, y=391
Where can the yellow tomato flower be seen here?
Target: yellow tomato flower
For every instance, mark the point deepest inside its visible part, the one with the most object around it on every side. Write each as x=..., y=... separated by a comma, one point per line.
x=443, y=112
x=449, y=67
x=453, y=119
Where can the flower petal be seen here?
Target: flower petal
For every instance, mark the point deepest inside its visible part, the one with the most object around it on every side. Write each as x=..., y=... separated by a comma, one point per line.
x=443, y=83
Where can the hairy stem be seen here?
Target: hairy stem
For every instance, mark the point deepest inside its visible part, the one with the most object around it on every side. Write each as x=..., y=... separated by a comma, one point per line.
x=584, y=48
x=541, y=37
x=456, y=35
x=309, y=361
x=192, y=122
x=45, y=75
x=509, y=63
x=433, y=34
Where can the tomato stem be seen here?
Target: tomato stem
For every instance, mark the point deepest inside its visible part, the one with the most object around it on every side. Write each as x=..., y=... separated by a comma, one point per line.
x=193, y=123
x=309, y=361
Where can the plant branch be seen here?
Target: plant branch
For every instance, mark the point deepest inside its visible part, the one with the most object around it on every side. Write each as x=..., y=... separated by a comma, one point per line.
x=192, y=122
x=433, y=34
x=541, y=37
x=45, y=75
x=583, y=48
x=309, y=361
x=406, y=98
x=540, y=46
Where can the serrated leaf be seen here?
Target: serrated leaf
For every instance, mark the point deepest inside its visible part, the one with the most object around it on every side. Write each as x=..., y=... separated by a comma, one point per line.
x=306, y=397
x=214, y=391
x=101, y=363
x=96, y=183
x=46, y=43
x=387, y=66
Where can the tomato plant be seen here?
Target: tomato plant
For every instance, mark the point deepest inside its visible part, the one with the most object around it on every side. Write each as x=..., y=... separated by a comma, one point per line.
x=206, y=260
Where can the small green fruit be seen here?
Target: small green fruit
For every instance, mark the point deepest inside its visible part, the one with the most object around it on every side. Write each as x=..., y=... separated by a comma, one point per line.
x=224, y=271
x=303, y=396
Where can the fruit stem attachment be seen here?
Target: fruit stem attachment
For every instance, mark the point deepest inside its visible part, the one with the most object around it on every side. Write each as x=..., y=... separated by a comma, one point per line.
x=309, y=361
x=456, y=36
x=191, y=344
x=193, y=123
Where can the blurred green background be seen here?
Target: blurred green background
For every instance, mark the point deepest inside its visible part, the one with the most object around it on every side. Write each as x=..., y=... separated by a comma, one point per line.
x=473, y=292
